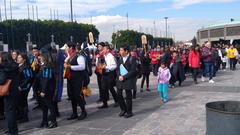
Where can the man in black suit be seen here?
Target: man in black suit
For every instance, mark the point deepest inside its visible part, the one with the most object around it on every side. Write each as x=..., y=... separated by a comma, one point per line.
x=125, y=81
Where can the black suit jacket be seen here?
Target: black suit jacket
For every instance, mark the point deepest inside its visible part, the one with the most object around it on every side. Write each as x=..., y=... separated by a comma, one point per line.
x=131, y=66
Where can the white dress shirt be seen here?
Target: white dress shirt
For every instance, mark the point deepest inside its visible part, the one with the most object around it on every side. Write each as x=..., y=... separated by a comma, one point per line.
x=125, y=58
x=81, y=64
x=110, y=62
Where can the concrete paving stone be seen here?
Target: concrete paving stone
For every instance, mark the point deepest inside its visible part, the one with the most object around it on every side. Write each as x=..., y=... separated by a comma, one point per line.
x=87, y=131
x=113, y=132
x=184, y=114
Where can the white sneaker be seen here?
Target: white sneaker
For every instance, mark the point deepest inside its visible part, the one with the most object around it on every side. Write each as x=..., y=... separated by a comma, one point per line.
x=211, y=81
x=203, y=78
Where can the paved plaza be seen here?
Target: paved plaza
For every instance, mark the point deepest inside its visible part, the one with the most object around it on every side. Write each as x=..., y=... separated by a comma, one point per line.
x=184, y=114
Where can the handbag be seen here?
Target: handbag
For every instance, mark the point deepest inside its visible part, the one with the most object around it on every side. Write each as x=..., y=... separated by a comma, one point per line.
x=4, y=89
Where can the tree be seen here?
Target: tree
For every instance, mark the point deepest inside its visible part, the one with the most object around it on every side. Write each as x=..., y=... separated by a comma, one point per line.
x=41, y=31
x=130, y=38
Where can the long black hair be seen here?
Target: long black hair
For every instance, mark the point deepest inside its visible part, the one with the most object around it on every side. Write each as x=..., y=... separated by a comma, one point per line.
x=6, y=58
x=47, y=59
x=25, y=57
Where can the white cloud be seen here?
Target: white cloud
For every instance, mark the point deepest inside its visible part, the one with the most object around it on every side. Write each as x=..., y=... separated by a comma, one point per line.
x=184, y=3
x=80, y=7
x=182, y=28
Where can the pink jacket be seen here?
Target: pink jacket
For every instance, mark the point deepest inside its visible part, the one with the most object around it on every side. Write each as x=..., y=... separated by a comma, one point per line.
x=164, y=75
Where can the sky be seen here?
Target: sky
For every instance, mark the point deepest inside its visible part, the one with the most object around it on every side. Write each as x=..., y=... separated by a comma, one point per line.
x=185, y=17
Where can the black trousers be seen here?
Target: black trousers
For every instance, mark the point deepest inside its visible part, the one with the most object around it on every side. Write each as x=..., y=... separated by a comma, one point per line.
x=47, y=104
x=10, y=110
x=99, y=81
x=155, y=69
x=108, y=80
x=125, y=105
x=36, y=86
x=145, y=76
x=1, y=106
x=224, y=64
x=74, y=87
x=23, y=104
x=195, y=73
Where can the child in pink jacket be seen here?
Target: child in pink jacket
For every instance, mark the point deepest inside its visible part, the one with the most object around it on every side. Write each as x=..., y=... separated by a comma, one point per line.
x=164, y=76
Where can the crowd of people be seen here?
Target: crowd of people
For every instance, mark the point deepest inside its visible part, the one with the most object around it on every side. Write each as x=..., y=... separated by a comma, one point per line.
x=45, y=69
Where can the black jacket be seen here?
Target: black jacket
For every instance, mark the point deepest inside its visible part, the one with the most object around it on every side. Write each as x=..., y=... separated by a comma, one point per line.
x=131, y=66
x=25, y=77
x=47, y=81
x=10, y=71
x=145, y=64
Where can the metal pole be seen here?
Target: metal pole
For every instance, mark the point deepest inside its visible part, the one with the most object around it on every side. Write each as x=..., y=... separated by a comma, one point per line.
x=28, y=12
x=127, y=22
x=51, y=13
x=57, y=15
x=11, y=8
x=154, y=26
x=5, y=8
x=54, y=15
x=37, y=12
x=71, y=10
x=0, y=14
x=33, y=12
x=166, y=26
x=11, y=25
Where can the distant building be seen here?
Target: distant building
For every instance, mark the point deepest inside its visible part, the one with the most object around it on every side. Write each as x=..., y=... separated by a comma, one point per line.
x=225, y=33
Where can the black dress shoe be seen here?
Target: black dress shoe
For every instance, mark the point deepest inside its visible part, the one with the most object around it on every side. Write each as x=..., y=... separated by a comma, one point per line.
x=103, y=106
x=72, y=117
x=128, y=115
x=122, y=113
x=43, y=125
x=82, y=116
x=52, y=124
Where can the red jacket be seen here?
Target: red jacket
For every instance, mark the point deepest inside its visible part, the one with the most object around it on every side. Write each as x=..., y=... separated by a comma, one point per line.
x=153, y=56
x=194, y=59
x=184, y=61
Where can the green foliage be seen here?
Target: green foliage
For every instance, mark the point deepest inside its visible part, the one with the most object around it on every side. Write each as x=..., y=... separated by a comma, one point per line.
x=129, y=38
x=15, y=32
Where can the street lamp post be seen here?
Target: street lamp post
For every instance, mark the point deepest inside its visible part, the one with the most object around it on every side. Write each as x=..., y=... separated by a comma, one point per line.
x=166, y=26
x=71, y=10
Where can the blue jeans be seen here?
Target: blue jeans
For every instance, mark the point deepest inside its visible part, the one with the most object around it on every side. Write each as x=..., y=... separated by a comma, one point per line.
x=163, y=91
x=209, y=68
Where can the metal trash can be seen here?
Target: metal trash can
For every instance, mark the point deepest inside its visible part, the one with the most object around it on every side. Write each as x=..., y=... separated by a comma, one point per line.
x=223, y=118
